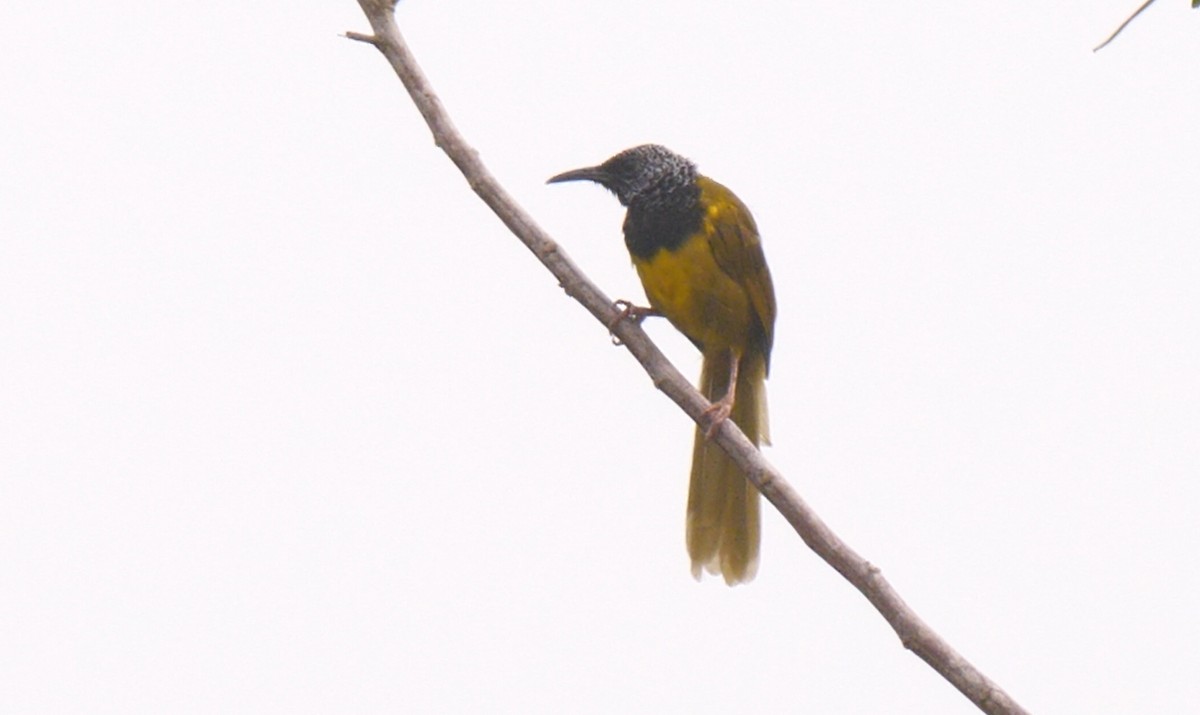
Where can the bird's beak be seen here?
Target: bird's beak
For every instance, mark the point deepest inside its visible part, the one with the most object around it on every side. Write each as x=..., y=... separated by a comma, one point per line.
x=590, y=173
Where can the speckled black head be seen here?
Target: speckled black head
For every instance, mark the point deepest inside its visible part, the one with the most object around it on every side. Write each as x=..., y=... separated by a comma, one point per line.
x=659, y=188
x=638, y=174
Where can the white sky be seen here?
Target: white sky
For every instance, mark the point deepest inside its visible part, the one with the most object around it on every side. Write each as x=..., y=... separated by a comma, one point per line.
x=290, y=423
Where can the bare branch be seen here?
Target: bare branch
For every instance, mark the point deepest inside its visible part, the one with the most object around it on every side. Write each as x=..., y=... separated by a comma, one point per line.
x=914, y=633
x=1123, y=24
x=359, y=37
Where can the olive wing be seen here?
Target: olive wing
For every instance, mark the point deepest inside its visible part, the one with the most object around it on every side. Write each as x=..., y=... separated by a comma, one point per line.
x=738, y=251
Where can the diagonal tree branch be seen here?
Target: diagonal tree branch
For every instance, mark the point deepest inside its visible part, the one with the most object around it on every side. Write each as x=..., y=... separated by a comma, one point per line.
x=914, y=633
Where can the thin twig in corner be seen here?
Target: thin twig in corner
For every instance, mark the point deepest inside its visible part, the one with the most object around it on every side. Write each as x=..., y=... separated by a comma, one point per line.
x=1122, y=26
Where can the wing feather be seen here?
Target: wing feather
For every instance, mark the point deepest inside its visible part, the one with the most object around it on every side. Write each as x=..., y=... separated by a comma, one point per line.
x=737, y=250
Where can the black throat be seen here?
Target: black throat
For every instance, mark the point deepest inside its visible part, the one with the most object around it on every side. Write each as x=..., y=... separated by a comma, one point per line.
x=663, y=217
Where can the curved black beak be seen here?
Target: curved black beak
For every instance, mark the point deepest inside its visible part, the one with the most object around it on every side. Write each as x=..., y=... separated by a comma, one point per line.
x=589, y=173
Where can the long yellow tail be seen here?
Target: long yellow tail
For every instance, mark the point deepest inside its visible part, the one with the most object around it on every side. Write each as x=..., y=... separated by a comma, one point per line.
x=722, y=512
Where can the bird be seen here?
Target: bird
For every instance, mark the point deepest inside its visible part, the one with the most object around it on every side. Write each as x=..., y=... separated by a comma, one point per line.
x=697, y=251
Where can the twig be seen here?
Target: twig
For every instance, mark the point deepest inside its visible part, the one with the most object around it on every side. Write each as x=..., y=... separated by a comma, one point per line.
x=1123, y=24
x=914, y=633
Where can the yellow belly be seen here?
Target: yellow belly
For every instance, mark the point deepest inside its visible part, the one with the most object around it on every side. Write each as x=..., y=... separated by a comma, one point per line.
x=689, y=288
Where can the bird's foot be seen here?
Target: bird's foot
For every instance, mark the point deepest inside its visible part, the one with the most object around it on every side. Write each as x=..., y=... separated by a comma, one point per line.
x=715, y=414
x=629, y=311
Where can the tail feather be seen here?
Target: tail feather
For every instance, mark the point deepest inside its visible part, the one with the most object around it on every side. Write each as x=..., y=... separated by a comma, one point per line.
x=723, y=507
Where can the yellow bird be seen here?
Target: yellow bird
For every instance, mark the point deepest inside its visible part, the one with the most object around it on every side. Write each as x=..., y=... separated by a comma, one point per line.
x=696, y=248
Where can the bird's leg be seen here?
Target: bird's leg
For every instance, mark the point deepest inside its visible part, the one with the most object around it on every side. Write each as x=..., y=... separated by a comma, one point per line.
x=718, y=412
x=629, y=311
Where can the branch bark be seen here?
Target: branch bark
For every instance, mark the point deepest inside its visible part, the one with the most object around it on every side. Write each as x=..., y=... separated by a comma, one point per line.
x=914, y=633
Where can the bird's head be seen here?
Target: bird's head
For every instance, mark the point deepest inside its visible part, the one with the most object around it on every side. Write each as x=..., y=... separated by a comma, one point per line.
x=639, y=173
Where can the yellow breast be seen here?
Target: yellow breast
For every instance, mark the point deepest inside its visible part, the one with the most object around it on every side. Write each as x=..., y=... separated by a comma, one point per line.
x=689, y=288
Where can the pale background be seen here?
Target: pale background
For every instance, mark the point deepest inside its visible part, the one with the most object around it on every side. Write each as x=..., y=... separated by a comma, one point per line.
x=290, y=423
